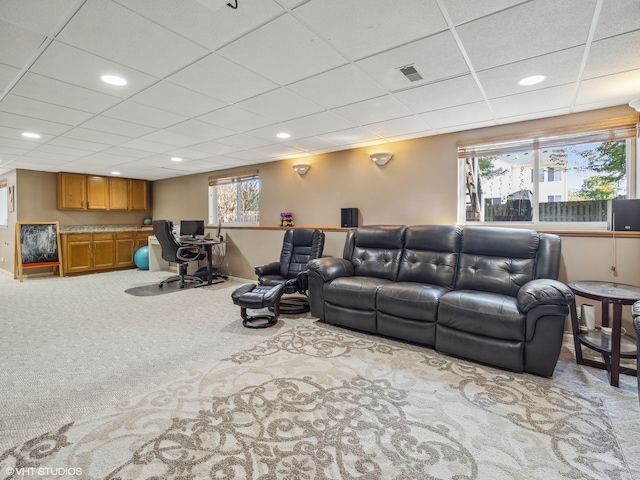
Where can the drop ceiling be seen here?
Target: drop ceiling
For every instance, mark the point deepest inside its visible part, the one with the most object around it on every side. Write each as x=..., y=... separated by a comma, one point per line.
x=214, y=85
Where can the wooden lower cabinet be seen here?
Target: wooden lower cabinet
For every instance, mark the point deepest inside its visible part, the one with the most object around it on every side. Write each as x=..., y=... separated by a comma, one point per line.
x=89, y=252
x=103, y=253
x=76, y=253
x=125, y=248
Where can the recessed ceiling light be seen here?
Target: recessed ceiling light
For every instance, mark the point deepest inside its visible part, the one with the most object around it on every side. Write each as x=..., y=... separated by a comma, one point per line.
x=115, y=173
x=176, y=159
x=113, y=80
x=283, y=135
x=30, y=135
x=532, y=80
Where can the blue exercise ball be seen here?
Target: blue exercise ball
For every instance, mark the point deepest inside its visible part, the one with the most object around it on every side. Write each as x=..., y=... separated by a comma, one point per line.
x=141, y=258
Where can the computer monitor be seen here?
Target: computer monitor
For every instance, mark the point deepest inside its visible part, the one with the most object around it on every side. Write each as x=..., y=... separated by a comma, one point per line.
x=192, y=228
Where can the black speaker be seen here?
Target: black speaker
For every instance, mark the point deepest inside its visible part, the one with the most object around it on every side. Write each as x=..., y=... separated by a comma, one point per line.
x=623, y=215
x=349, y=217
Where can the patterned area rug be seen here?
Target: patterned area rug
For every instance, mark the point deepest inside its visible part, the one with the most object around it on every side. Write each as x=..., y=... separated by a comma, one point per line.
x=316, y=402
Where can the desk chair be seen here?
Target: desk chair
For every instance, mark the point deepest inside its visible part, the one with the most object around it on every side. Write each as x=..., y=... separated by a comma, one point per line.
x=173, y=251
x=298, y=248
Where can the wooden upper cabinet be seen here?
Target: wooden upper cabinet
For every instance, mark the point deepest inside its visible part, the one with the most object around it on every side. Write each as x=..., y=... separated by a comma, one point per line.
x=138, y=194
x=71, y=191
x=97, y=193
x=118, y=193
x=77, y=191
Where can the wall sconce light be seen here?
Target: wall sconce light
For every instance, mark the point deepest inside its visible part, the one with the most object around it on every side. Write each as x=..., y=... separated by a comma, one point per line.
x=635, y=103
x=381, y=158
x=301, y=169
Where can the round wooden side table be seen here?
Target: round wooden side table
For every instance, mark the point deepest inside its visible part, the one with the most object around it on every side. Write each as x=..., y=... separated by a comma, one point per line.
x=612, y=347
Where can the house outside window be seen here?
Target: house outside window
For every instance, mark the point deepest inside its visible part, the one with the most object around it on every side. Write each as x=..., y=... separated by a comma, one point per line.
x=235, y=199
x=584, y=170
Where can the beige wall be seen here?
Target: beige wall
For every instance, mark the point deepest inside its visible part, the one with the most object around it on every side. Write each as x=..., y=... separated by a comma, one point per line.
x=418, y=186
x=36, y=202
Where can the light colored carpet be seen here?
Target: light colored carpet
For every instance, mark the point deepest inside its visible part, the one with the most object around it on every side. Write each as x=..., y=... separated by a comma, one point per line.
x=173, y=386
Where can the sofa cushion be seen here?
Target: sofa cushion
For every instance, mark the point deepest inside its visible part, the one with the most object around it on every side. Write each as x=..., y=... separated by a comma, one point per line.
x=481, y=313
x=375, y=251
x=354, y=292
x=497, y=260
x=430, y=255
x=414, y=301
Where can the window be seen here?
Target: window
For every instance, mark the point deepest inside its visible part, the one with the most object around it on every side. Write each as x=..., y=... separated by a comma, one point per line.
x=583, y=171
x=235, y=200
x=4, y=204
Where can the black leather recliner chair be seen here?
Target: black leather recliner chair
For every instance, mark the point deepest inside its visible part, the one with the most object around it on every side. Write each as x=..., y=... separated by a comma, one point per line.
x=298, y=248
x=635, y=311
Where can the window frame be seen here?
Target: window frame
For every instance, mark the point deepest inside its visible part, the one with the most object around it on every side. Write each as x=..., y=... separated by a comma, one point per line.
x=625, y=128
x=236, y=178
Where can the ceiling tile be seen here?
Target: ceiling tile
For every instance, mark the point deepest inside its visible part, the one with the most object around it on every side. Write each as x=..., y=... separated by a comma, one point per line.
x=214, y=148
x=436, y=57
x=343, y=85
x=147, y=146
x=359, y=28
x=372, y=111
x=610, y=55
x=617, y=17
x=41, y=17
x=323, y=122
x=17, y=45
x=108, y=30
x=74, y=66
x=56, y=92
x=280, y=105
x=311, y=144
x=42, y=110
x=462, y=11
x=176, y=99
x=64, y=151
x=122, y=151
x=350, y=136
x=32, y=124
x=399, y=126
x=221, y=79
x=78, y=144
x=243, y=141
x=7, y=75
x=143, y=115
x=236, y=119
x=280, y=51
x=171, y=138
x=435, y=96
x=211, y=28
x=117, y=127
x=560, y=68
x=533, y=102
x=201, y=130
x=524, y=31
x=458, y=116
x=609, y=90
x=99, y=137
x=187, y=153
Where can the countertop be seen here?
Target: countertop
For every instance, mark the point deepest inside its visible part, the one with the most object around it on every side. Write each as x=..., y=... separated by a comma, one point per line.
x=105, y=228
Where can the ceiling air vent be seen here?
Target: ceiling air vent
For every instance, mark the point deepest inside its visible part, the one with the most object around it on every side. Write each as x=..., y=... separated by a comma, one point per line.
x=411, y=73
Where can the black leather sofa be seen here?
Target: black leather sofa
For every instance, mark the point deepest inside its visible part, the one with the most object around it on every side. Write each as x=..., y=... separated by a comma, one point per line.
x=487, y=294
x=635, y=312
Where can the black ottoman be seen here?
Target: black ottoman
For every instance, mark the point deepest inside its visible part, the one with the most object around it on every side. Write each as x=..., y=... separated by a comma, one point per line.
x=250, y=295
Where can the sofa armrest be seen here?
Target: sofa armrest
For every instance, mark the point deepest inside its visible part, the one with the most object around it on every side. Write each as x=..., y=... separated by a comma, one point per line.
x=543, y=291
x=328, y=268
x=272, y=268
